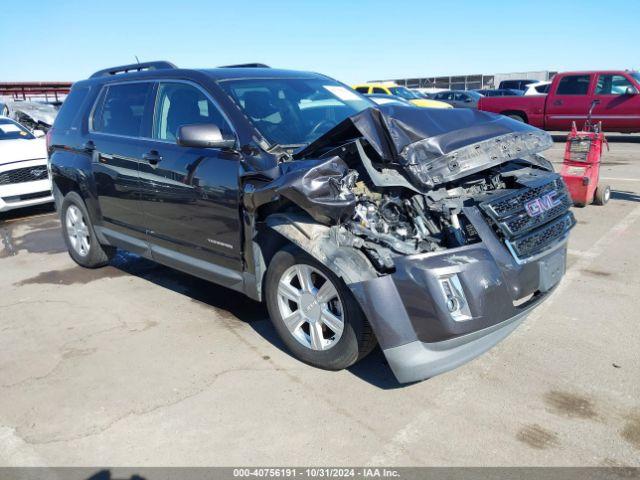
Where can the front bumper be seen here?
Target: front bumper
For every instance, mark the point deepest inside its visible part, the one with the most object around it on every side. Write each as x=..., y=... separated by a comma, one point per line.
x=408, y=310
x=24, y=194
x=419, y=360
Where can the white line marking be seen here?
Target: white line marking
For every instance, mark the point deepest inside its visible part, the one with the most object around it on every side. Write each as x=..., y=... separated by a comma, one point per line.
x=412, y=432
x=618, y=179
x=586, y=259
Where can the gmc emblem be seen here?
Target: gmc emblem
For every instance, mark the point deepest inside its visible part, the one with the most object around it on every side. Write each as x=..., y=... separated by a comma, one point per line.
x=542, y=204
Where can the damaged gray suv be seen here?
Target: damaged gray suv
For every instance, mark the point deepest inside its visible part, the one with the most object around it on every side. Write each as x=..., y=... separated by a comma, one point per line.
x=430, y=232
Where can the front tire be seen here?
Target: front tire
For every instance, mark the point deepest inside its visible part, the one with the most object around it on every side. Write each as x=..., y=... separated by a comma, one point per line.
x=315, y=313
x=79, y=235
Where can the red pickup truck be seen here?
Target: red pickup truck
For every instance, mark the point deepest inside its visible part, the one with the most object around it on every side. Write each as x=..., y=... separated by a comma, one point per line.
x=571, y=94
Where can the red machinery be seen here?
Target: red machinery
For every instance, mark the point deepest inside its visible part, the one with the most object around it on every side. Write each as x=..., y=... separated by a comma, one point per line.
x=581, y=166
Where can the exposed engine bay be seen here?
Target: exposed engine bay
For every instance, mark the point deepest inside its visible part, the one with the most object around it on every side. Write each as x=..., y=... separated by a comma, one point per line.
x=397, y=182
x=400, y=221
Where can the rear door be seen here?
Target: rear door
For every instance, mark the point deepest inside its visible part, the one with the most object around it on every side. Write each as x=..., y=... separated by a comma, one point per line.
x=115, y=130
x=618, y=110
x=570, y=102
x=190, y=195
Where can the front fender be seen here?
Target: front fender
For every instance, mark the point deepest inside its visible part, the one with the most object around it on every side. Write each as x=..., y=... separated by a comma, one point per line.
x=321, y=243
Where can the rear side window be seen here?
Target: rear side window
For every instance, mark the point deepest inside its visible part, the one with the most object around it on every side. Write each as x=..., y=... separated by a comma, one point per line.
x=71, y=108
x=362, y=89
x=379, y=90
x=121, y=109
x=574, y=85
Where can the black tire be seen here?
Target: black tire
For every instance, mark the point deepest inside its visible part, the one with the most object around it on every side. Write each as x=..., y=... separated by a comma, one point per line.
x=357, y=339
x=97, y=255
x=602, y=195
x=517, y=117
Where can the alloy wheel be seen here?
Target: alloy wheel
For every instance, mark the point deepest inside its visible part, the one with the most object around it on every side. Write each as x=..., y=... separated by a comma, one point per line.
x=310, y=307
x=77, y=231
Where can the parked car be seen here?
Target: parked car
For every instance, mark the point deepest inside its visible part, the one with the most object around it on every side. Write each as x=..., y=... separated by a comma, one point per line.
x=499, y=92
x=570, y=96
x=24, y=178
x=538, y=88
x=31, y=114
x=516, y=84
x=325, y=212
x=459, y=98
x=384, y=99
x=402, y=92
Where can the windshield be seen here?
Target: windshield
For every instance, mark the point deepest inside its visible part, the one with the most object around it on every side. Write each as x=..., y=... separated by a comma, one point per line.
x=10, y=130
x=404, y=93
x=636, y=76
x=294, y=111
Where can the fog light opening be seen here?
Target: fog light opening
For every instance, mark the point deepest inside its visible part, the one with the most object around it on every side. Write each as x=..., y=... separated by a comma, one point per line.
x=454, y=298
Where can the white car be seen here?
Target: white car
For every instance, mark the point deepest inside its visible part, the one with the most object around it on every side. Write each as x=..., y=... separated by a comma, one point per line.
x=538, y=88
x=24, y=176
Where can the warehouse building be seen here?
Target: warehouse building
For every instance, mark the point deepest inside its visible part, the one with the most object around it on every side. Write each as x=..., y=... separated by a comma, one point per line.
x=469, y=82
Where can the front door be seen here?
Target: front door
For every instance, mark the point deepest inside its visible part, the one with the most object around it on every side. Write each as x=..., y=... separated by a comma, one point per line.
x=116, y=126
x=190, y=196
x=570, y=103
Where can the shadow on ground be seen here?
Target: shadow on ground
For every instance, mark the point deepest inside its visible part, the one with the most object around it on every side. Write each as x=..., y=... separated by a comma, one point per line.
x=44, y=236
x=236, y=306
x=625, y=195
x=24, y=213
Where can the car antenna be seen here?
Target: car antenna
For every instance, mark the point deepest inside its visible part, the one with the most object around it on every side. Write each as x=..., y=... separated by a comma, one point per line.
x=137, y=59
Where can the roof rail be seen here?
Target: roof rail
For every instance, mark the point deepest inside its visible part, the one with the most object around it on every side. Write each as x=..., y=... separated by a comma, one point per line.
x=137, y=67
x=246, y=65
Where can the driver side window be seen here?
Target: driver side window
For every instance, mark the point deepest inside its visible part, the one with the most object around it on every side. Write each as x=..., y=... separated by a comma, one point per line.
x=179, y=104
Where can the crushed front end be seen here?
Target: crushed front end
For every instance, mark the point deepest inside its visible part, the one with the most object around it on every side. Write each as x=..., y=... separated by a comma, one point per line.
x=447, y=226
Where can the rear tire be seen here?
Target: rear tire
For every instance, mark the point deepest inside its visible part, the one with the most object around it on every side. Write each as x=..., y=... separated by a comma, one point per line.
x=602, y=195
x=79, y=235
x=516, y=117
x=343, y=340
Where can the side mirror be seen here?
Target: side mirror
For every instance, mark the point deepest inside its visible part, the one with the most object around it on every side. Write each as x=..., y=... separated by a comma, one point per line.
x=630, y=91
x=207, y=135
x=38, y=133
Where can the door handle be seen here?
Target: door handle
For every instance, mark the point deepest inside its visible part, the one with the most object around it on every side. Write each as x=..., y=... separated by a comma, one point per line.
x=557, y=102
x=153, y=157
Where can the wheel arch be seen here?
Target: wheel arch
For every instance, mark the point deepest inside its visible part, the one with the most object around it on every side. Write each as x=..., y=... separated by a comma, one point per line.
x=319, y=241
x=519, y=113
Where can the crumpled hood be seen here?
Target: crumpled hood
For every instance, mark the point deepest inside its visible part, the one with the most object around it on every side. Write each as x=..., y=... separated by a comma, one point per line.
x=22, y=149
x=436, y=146
x=39, y=113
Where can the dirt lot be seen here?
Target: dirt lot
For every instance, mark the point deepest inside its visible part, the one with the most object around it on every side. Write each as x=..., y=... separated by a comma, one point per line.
x=136, y=364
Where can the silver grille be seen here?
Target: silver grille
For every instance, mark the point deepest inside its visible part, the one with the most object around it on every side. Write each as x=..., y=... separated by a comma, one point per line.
x=539, y=240
x=527, y=235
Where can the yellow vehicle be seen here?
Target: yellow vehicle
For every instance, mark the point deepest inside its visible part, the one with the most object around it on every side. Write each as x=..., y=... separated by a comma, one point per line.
x=402, y=92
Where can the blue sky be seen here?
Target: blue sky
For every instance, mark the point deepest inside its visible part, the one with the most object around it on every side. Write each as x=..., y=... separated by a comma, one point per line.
x=351, y=41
